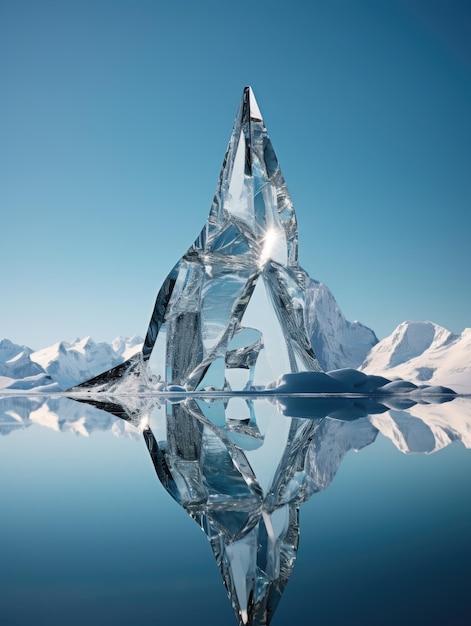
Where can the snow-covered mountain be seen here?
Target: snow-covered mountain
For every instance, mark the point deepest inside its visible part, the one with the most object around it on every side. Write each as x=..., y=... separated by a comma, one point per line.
x=423, y=352
x=337, y=342
x=68, y=363
x=63, y=364
x=15, y=361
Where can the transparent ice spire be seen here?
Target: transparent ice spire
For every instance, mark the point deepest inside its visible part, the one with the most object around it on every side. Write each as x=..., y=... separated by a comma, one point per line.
x=230, y=315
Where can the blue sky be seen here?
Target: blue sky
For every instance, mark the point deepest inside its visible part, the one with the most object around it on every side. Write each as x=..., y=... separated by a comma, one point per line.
x=114, y=119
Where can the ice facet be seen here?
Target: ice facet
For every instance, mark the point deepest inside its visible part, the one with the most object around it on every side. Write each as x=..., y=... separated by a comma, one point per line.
x=232, y=309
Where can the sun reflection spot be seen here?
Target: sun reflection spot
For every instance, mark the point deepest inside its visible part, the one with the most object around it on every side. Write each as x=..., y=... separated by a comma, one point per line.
x=269, y=245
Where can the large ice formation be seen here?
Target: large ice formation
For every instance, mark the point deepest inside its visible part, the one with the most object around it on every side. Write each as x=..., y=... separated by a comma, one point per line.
x=231, y=313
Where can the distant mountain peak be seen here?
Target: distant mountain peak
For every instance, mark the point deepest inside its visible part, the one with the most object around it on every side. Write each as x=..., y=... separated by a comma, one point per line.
x=337, y=342
x=9, y=350
x=423, y=352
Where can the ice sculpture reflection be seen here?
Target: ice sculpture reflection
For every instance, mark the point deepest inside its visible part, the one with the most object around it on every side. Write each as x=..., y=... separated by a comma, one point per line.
x=242, y=481
x=241, y=468
x=230, y=315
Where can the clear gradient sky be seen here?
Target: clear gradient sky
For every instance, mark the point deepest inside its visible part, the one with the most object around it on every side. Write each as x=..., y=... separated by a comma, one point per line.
x=114, y=120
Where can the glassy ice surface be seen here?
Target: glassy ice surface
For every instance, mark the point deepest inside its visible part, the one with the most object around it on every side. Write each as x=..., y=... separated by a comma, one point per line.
x=231, y=313
x=87, y=535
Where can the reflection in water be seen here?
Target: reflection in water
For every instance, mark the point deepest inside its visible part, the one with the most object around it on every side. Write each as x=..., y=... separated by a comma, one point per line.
x=241, y=467
x=242, y=480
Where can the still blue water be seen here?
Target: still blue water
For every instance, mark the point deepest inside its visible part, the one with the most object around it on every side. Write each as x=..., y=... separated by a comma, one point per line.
x=88, y=535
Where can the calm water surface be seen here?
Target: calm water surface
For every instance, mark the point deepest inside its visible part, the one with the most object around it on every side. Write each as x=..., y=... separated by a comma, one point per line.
x=89, y=535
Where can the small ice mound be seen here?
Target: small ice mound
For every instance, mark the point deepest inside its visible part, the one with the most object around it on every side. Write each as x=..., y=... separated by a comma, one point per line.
x=309, y=382
x=436, y=390
x=372, y=383
x=347, y=380
x=398, y=386
x=358, y=381
x=349, y=376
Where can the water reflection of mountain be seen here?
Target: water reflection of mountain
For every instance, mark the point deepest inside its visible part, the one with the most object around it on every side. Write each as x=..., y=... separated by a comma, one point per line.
x=241, y=468
x=60, y=414
x=413, y=427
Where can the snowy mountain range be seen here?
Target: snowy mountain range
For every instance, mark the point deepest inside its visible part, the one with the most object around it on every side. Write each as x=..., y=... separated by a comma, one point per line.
x=423, y=352
x=419, y=352
x=63, y=364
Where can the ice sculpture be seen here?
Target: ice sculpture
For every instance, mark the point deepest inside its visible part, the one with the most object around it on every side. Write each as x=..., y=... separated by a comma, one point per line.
x=231, y=312
x=230, y=315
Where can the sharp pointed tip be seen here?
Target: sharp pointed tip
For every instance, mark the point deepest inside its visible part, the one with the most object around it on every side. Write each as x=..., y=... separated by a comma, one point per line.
x=255, y=113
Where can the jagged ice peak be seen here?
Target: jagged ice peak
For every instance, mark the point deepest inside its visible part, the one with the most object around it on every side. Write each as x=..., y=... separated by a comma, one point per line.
x=231, y=313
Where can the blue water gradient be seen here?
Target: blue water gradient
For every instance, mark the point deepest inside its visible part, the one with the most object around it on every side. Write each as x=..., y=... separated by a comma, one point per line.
x=387, y=542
